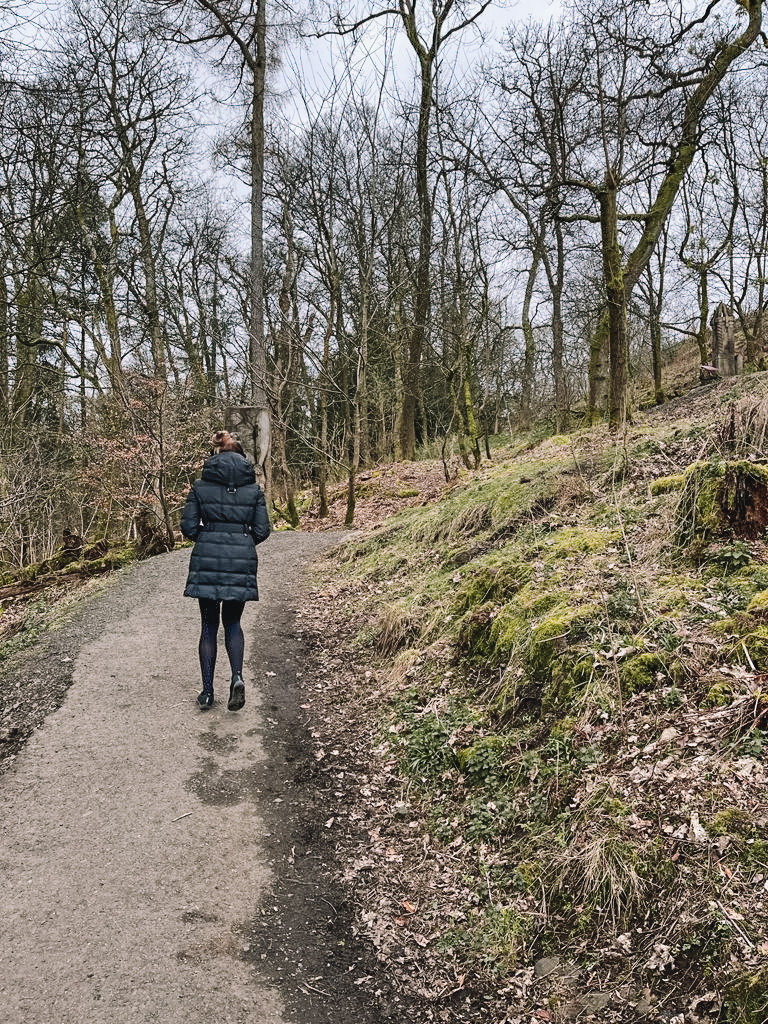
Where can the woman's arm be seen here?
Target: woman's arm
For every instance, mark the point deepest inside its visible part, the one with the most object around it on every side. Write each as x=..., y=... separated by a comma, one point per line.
x=260, y=524
x=190, y=517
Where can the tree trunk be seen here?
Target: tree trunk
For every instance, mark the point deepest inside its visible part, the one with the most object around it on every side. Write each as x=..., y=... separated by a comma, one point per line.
x=258, y=352
x=687, y=146
x=469, y=414
x=683, y=150
x=4, y=366
x=558, y=368
x=613, y=277
x=529, y=356
x=412, y=366
x=655, y=328
x=702, y=335
x=29, y=328
x=149, y=266
x=322, y=476
x=362, y=440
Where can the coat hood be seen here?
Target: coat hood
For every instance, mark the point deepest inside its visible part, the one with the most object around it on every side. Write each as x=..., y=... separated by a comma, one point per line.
x=230, y=469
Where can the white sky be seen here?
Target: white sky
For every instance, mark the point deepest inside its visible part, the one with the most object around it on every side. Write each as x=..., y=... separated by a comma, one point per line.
x=309, y=69
x=40, y=16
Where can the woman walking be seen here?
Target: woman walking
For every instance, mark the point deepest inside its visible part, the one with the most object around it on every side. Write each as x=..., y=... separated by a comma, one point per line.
x=226, y=516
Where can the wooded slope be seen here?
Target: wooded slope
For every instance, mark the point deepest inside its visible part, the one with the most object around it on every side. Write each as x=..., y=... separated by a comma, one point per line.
x=560, y=666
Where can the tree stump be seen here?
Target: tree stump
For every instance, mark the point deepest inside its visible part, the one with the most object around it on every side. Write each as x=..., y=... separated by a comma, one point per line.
x=722, y=500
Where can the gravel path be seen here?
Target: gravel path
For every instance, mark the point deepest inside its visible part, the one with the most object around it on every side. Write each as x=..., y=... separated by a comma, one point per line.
x=134, y=848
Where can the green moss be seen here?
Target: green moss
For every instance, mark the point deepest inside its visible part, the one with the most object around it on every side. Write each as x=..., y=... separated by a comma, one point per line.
x=754, y=854
x=699, y=515
x=577, y=540
x=751, y=649
x=474, y=633
x=756, y=573
x=496, y=578
x=532, y=619
x=556, y=634
x=544, y=646
x=647, y=672
x=666, y=484
x=526, y=875
x=613, y=807
x=745, y=639
x=117, y=558
x=714, y=497
x=480, y=506
x=511, y=589
x=568, y=675
x=731, y=822
x=719, y=695
x=746, y=998
x=502, y=497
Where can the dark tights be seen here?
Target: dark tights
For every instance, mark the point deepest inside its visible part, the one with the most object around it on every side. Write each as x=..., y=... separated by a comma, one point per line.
x=234, y=641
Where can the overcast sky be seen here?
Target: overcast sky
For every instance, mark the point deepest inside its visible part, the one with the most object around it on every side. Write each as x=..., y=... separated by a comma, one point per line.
x=309, y=70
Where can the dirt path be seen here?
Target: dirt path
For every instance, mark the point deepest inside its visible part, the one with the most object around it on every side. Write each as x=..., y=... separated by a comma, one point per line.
x=146, y=845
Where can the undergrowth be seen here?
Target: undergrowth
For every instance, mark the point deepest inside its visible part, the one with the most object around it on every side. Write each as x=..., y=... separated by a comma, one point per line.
x=26, y=614
x=576, y=691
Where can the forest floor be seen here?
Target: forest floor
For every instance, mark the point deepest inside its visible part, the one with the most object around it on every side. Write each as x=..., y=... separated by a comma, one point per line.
x=282, y=865
x=600, y=857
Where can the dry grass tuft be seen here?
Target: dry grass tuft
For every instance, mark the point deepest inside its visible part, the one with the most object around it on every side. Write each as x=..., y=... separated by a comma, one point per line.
x=599, y=871
x=395, y=629
x=744, y=430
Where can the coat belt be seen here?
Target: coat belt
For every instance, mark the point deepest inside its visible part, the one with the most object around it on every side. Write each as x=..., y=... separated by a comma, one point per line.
x=218, y=527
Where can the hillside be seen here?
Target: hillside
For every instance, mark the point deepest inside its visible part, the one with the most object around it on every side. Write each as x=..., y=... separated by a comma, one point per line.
x=542, y=709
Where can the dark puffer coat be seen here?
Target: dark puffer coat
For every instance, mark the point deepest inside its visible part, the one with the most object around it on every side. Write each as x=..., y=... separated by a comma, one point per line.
x=226, y=516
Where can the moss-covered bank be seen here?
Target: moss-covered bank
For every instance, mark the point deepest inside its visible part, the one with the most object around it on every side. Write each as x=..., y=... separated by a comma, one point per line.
x=576, y=694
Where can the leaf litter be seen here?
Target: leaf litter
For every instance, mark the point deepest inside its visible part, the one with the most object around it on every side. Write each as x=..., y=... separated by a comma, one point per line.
x=424, y=888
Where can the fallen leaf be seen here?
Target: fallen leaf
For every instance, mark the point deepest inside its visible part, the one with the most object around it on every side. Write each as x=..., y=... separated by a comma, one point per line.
x=697, y=833
x=668, y=735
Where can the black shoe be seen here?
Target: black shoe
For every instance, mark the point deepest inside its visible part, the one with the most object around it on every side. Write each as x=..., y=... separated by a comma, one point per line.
x=205, y=699
x=236, y=693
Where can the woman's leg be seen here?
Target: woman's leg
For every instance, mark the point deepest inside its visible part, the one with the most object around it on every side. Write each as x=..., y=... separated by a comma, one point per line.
x=209, y=629
x=234, y=641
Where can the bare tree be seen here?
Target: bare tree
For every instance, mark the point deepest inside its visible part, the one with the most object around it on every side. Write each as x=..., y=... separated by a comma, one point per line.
x=738, y=197
x=640, y=81
x=235, y=31
x=525, y=155
x=446, y=18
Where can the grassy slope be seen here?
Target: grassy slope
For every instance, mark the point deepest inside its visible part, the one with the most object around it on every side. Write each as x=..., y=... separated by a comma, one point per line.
x=576, y=706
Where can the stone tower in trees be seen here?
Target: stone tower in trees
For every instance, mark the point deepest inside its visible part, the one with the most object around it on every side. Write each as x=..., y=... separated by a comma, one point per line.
x=726, y=353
